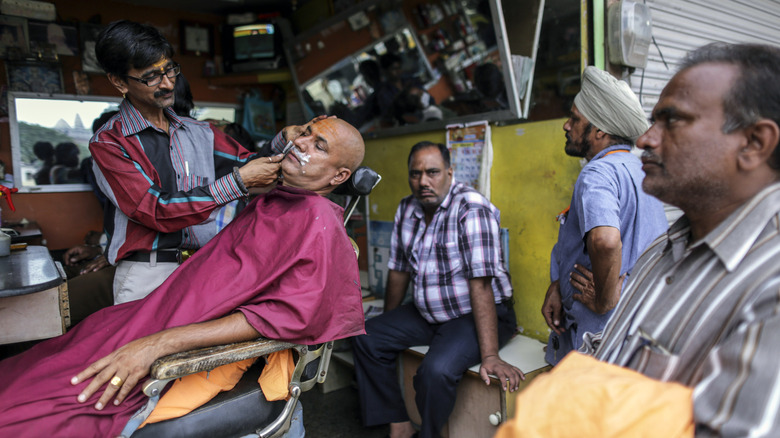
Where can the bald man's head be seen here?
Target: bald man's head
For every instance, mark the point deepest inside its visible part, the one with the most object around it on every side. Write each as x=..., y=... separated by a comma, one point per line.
x=324, y=156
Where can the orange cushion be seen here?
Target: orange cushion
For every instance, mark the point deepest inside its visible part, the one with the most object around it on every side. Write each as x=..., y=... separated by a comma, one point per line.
x=583, y=397
x=193, y=391
x=276, y=376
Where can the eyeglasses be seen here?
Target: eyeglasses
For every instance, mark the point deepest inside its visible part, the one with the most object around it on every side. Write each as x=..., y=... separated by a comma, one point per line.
x=155, y=80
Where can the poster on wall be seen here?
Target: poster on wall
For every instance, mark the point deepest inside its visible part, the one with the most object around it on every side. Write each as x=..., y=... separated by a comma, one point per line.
x=63, y=38
x=379, y=236
x=471, y=154
x=259, y=119
x=89, y=33
x=39, y=77
x=13, y=37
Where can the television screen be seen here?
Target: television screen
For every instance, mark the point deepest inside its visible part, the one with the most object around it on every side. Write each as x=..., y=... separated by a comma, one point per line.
x=254, y=41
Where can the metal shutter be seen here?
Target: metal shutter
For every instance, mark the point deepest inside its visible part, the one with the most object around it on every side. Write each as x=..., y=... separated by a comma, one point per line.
x=680, y=26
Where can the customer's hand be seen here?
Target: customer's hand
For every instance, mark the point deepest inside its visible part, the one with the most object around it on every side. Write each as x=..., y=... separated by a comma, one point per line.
x=120, y=371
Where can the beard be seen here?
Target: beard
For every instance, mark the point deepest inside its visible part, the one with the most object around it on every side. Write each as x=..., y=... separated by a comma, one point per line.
x=579, y=148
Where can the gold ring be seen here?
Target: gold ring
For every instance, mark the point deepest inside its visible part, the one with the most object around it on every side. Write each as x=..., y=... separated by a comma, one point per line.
x=116, y=381
x=270, y=160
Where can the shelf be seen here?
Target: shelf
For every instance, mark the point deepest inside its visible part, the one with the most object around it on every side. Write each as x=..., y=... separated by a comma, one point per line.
x=252, y=78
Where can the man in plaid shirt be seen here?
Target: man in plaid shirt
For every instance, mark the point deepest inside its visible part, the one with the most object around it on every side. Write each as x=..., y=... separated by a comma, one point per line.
x=445, y=243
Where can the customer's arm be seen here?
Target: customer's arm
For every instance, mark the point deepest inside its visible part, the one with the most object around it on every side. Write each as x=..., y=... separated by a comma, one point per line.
x=133, y=361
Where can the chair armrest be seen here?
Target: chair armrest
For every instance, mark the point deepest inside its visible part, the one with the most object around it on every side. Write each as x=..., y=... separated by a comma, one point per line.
x=204, y=359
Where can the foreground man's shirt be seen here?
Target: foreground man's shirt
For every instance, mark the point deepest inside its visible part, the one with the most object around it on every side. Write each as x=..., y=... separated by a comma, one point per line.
x=707, y=314
x=285, y=262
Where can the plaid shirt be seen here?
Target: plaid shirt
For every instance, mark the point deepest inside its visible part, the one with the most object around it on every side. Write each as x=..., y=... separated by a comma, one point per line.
x=461, y=242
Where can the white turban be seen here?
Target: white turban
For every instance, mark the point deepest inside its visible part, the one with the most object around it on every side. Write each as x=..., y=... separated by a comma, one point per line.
x=610, y=105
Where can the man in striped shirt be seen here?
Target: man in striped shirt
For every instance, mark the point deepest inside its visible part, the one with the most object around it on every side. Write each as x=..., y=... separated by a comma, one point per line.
x=703, y=304
x=445, y=244
x=167, y=178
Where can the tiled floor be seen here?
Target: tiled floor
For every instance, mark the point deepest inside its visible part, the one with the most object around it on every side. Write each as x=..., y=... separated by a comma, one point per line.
x=336, y=415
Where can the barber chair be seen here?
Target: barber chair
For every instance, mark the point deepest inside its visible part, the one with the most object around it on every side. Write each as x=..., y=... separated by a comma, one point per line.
x=244, y=411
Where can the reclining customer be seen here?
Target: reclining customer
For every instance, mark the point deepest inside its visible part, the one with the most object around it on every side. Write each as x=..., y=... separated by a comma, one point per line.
x=279, y=270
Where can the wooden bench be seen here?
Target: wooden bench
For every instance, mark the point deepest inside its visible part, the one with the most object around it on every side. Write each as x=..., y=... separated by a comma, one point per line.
x=479, y=408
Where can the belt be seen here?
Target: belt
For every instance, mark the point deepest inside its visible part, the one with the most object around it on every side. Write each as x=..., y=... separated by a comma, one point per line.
x=163, y=256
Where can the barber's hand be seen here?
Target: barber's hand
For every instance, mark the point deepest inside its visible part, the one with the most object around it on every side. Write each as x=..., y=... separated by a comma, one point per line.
x=294, y=131
x=79, y=253
x=261, y=172
x=97, y=264
x=129, y=363
x=508, y=375
x=552, y=309
x=582, y=279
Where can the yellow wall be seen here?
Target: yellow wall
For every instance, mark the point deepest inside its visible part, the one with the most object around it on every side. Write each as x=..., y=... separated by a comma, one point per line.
x=532, y=181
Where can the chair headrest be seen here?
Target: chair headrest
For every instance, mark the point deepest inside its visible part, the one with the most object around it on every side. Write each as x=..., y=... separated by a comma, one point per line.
x=360, y=183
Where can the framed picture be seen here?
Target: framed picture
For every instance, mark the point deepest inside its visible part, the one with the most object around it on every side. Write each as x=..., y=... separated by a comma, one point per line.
x=63, y=37
x=81, y=82
x=196, y=38
x=14, y=41
x=358, y=21
x=89, y=33
x=38, y=77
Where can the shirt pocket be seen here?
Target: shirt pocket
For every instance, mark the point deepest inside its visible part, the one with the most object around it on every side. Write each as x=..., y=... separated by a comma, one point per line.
x=657, y=362
x=447, y=262
x=192, y=181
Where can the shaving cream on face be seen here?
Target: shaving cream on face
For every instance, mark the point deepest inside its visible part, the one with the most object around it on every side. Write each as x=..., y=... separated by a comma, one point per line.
x=302, y=157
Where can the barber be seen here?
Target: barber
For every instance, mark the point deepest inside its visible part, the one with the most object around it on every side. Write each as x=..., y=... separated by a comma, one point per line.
x=172, y=182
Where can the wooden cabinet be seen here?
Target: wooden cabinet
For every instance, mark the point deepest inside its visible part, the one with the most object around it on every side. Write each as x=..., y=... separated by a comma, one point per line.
x=33, y=296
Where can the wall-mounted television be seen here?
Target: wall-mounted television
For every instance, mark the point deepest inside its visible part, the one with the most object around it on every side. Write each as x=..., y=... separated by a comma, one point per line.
x=253, y=46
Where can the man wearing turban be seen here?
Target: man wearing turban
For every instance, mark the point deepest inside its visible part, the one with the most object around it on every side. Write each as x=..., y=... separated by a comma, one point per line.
x=610, y=220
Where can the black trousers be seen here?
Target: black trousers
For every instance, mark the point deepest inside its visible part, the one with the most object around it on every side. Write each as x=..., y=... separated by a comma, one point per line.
x=453, y=349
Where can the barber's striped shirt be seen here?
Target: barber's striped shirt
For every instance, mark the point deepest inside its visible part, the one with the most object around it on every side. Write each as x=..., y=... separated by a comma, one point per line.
x=164, y=189
x=707, y=314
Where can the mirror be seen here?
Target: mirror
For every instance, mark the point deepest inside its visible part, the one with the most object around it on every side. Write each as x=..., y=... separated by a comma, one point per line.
x=50, y=139
x=50, y=136
x=353, y=89
x=396, y=66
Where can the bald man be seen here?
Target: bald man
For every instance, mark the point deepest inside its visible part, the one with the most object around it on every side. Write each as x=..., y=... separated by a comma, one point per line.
x=280, y=270
x=610, y=220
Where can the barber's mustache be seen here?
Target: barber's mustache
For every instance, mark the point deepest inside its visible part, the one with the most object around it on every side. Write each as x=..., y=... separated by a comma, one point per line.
x=649, y=157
